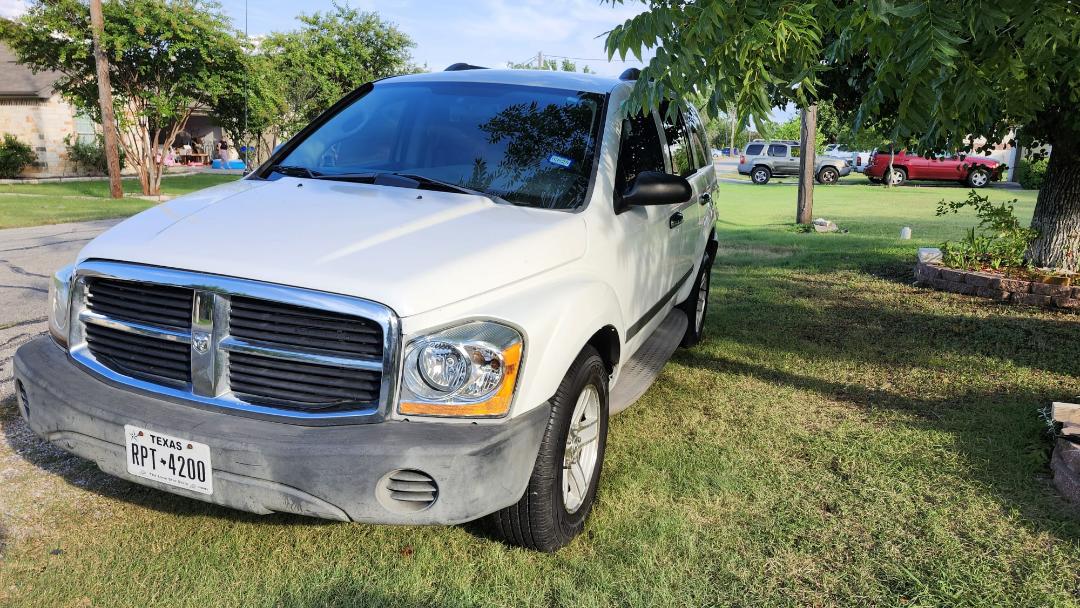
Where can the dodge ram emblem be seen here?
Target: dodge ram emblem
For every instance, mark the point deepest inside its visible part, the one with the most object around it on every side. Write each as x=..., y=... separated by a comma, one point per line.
x=200, y=342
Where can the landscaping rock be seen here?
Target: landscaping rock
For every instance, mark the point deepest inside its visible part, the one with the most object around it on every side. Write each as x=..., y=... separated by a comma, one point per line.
x=950, y=274
x=925, y=273
x=1066, y=302
x=1031, y=299
x=1015, y=285
x=1066, y=467
x=824, y=225
x=929, y=255
x=982, y=279
x=1047, y=289
x=992, y=293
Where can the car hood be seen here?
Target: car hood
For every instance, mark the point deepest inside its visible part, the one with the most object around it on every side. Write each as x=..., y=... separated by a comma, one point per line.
x=413, y=250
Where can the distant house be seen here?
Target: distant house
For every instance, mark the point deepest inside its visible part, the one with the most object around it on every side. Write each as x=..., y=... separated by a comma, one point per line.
x=33, y=112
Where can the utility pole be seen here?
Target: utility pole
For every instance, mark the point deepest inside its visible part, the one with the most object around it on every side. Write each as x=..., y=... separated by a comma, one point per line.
x=804, y=213
x=732, y=116
x=108, y=120
x=539, y=60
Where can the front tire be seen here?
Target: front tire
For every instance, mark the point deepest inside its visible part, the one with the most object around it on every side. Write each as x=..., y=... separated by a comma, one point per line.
x=565, y=478
x=828, y=175
x=696, y=305
x=760, y=175
x=978, y=178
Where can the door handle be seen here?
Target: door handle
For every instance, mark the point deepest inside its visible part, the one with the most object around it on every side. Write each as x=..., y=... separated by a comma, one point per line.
x=675, y=219
x=706, y=198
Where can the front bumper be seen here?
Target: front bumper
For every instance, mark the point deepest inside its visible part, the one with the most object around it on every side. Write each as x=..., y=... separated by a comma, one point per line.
x=845, y=170
x=260, y=466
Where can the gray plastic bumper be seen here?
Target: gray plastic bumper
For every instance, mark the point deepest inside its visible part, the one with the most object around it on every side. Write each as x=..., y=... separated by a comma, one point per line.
x=262, y=466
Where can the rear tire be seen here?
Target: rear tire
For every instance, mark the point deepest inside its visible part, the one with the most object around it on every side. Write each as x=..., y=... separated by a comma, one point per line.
x=558, y=499
x=760, y=175
x=696, y=305
x=895, y=178
x=828, y=176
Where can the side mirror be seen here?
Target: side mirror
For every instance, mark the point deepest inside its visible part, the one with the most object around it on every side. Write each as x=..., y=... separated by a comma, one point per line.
x=656, y=188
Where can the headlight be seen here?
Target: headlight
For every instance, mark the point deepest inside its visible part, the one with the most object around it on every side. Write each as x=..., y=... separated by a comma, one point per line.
x=468, y=370
x=60, y=304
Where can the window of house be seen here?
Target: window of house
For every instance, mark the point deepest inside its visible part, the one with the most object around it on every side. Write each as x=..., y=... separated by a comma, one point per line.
x=85, y=130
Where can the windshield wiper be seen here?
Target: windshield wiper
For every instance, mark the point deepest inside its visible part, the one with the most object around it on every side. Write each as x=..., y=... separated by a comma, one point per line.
x=430, y=181
x=295, y=171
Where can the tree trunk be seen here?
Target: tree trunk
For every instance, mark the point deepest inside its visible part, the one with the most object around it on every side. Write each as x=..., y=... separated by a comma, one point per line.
x=805, y=208
x=108, y=120
x=1057, y=212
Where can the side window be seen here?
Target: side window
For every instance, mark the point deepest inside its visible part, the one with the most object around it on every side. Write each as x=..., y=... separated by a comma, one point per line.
x=754, y=149
x=795, y=151
x=682, y=161
x=697, y=133
x=777, y=150
x=640, y=150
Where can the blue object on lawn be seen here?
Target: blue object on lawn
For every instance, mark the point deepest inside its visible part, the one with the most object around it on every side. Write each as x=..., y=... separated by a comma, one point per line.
x=233, y=164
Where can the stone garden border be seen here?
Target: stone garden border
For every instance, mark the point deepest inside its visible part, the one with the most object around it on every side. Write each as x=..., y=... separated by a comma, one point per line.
x=997, y=287
x=1065, y=464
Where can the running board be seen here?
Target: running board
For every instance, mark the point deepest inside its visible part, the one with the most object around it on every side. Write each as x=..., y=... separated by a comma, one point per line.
x=638, y=374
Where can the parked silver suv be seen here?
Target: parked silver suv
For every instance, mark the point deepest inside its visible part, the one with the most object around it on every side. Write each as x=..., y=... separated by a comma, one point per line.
x=764, y=159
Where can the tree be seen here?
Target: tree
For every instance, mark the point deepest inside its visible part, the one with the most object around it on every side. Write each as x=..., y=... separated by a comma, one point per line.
x=105, y=100
x=167, y=59
x=552, y=65
x=332, y=54
x=943, y=74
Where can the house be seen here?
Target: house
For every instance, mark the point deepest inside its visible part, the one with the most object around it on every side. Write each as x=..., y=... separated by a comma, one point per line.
x=34, y=113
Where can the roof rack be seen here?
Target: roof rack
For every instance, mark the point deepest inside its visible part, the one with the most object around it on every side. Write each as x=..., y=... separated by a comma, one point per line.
x=630, y=74
x=457, y=67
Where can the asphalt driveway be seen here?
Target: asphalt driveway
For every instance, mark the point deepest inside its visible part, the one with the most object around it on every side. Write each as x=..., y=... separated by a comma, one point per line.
x=28, y=256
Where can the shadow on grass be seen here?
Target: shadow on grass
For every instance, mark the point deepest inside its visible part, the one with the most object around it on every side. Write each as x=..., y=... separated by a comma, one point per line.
x=84, y=474
x=975, y=369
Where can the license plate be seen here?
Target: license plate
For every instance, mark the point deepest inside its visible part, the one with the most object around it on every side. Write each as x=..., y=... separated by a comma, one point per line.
x=169, y=460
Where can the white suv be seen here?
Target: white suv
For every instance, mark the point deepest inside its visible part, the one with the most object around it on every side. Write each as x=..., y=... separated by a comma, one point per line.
x=421, y=310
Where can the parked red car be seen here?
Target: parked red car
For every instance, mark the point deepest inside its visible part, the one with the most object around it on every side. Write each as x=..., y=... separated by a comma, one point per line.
x=975, y=171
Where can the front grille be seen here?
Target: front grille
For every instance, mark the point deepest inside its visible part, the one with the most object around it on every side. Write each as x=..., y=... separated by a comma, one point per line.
x=250, y=346
x=162, y=305
x=301, y=385
x=280, y=324
x=139, y=356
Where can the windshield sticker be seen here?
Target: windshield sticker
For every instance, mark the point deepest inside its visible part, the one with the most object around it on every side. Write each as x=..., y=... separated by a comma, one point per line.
x=561, y=161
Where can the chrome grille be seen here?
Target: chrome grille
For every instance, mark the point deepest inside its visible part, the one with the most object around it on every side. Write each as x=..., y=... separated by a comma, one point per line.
x=258, y=348
x=139, y=356
x=297, y=326
x=142, y=303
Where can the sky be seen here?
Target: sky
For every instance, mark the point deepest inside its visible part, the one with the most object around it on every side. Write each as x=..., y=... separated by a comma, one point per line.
x=482, y=32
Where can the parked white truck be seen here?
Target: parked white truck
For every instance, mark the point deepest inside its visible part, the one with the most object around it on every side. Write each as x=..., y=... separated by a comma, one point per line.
x=421, y=310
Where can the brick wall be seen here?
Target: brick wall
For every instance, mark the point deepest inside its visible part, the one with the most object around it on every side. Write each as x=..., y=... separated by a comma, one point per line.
x=997, y=287
x=42, y=123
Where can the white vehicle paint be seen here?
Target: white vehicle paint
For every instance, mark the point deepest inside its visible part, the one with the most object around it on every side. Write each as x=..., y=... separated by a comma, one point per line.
x=437, y=260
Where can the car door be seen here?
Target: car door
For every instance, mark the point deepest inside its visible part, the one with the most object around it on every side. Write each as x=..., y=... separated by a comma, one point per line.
x=781, y=160
x=682, y=222
x=698, y=214
x=644, y=232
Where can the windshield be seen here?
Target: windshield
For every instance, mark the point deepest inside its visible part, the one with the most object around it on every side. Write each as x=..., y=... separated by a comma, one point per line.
x=531, y=146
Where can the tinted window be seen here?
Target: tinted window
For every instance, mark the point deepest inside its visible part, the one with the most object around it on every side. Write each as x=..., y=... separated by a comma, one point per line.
x=754, y=149
x=697, y=135
x=529, y=145
x=682, y=162
x=777, y=150
x=640, y=150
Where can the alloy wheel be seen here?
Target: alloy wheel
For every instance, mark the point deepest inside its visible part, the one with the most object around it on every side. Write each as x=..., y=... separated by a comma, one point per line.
x=582, y=449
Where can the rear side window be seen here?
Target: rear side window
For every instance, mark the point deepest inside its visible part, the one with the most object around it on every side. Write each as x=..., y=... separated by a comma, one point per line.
x=682, y=160
x=754, y=149
x=640, y=150
x=697, y=134
x=777, y=150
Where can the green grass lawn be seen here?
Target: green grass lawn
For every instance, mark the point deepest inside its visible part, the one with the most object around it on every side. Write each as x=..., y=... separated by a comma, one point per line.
x=840, y=439
x=75, y=201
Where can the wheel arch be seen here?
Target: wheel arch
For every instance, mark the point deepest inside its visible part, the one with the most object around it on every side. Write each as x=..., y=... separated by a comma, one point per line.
x=606, y=342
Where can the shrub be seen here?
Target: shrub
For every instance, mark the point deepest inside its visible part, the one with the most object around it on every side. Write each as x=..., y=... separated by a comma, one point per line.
x=1001, y=244
x=90, y=156
x=1032, y=173
x=14, y=156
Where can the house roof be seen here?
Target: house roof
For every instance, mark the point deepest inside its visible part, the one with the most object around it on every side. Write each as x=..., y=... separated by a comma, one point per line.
x=17, y=80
